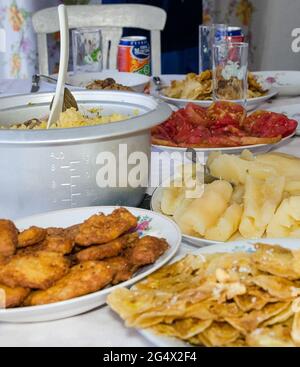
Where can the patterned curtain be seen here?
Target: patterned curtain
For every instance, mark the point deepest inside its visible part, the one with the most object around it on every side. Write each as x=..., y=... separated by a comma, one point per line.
x=18, y=58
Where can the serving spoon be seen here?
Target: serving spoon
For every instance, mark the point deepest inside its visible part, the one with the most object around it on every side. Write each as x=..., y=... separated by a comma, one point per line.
x=63, y=98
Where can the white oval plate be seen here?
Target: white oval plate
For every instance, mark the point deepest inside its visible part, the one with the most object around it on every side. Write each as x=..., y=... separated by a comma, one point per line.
x=252, y=103
x=292, y=112
x=150, y=223
x=136, y=81
x=155, y=205
x=238, y=246
x=257, y=149
x=287, y=83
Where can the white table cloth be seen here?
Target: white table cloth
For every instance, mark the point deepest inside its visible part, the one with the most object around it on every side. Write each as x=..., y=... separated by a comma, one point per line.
x=101, y=327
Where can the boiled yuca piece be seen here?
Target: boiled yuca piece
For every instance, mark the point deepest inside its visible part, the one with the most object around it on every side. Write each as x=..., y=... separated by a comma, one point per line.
x=188, y=183
x=235, y=169
x=229, y=167
x=180, y=211
x=292, y=187
x=285, y=165
x=204, y=212
x=227, y=225
x=262, y=197
x=238, y=194
x=171, y=199
x=286, y=221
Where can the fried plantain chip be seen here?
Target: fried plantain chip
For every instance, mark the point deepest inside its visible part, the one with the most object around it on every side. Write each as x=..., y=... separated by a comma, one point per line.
x=183, y=329
x=231, y=299
x=283, y=316
x=220, y=334
x=254, y=299
x=250, y=321
x=274, y=336
x=277, y=260
x=276, y=286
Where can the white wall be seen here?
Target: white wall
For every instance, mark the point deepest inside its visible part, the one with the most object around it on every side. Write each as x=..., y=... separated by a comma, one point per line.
x=273, y=23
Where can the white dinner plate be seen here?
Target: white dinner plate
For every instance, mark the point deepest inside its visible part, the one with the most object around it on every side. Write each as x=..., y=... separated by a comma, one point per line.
x=287, y=83
x=252, y=103
x=256, y=149
x=238, y=246
x=150, y=223
x=136, y=81
x=292, y=112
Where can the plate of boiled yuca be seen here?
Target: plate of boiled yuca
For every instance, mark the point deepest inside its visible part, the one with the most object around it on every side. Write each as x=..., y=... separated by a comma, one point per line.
x=242, y=294
x=60, y=264
x=247, y=197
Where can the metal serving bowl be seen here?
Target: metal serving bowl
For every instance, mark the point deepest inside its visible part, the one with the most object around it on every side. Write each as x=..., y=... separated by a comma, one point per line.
x=43, y=170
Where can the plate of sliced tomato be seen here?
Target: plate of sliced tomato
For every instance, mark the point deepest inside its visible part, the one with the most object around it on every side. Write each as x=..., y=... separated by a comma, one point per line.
x=222, y=126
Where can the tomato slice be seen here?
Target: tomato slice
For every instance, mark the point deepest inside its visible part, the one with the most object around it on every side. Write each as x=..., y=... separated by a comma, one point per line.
x=269, y=124
x=228, y=130
x=187, y=133
x=225, y=113
x=197, y=115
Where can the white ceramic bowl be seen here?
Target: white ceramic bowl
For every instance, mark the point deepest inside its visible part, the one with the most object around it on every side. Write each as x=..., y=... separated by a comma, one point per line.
x=286, y=82
x=137, y=82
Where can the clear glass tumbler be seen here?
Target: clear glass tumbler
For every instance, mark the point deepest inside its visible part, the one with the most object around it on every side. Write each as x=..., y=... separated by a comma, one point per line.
x=230, y=71
x=87, y=50
x=209, y=35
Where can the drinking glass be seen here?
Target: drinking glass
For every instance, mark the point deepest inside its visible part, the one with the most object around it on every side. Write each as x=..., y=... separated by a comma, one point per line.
x=87, y=50
x=208, y=35
x=230, y=69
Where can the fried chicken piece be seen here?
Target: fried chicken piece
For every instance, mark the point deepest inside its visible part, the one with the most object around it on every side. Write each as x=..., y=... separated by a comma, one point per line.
x=121, y=268
x=82, y=279
x=71, y=232
x=146, y=251
x=110, y=249
x=58, y=244
x=55, y=231
x=101, y=228
x=141, y=252
x=31, y=236
x=39, y=270
x=8, y=237
x=14, y=297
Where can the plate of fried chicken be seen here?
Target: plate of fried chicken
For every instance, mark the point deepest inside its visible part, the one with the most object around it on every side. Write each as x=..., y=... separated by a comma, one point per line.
x=61, y=264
